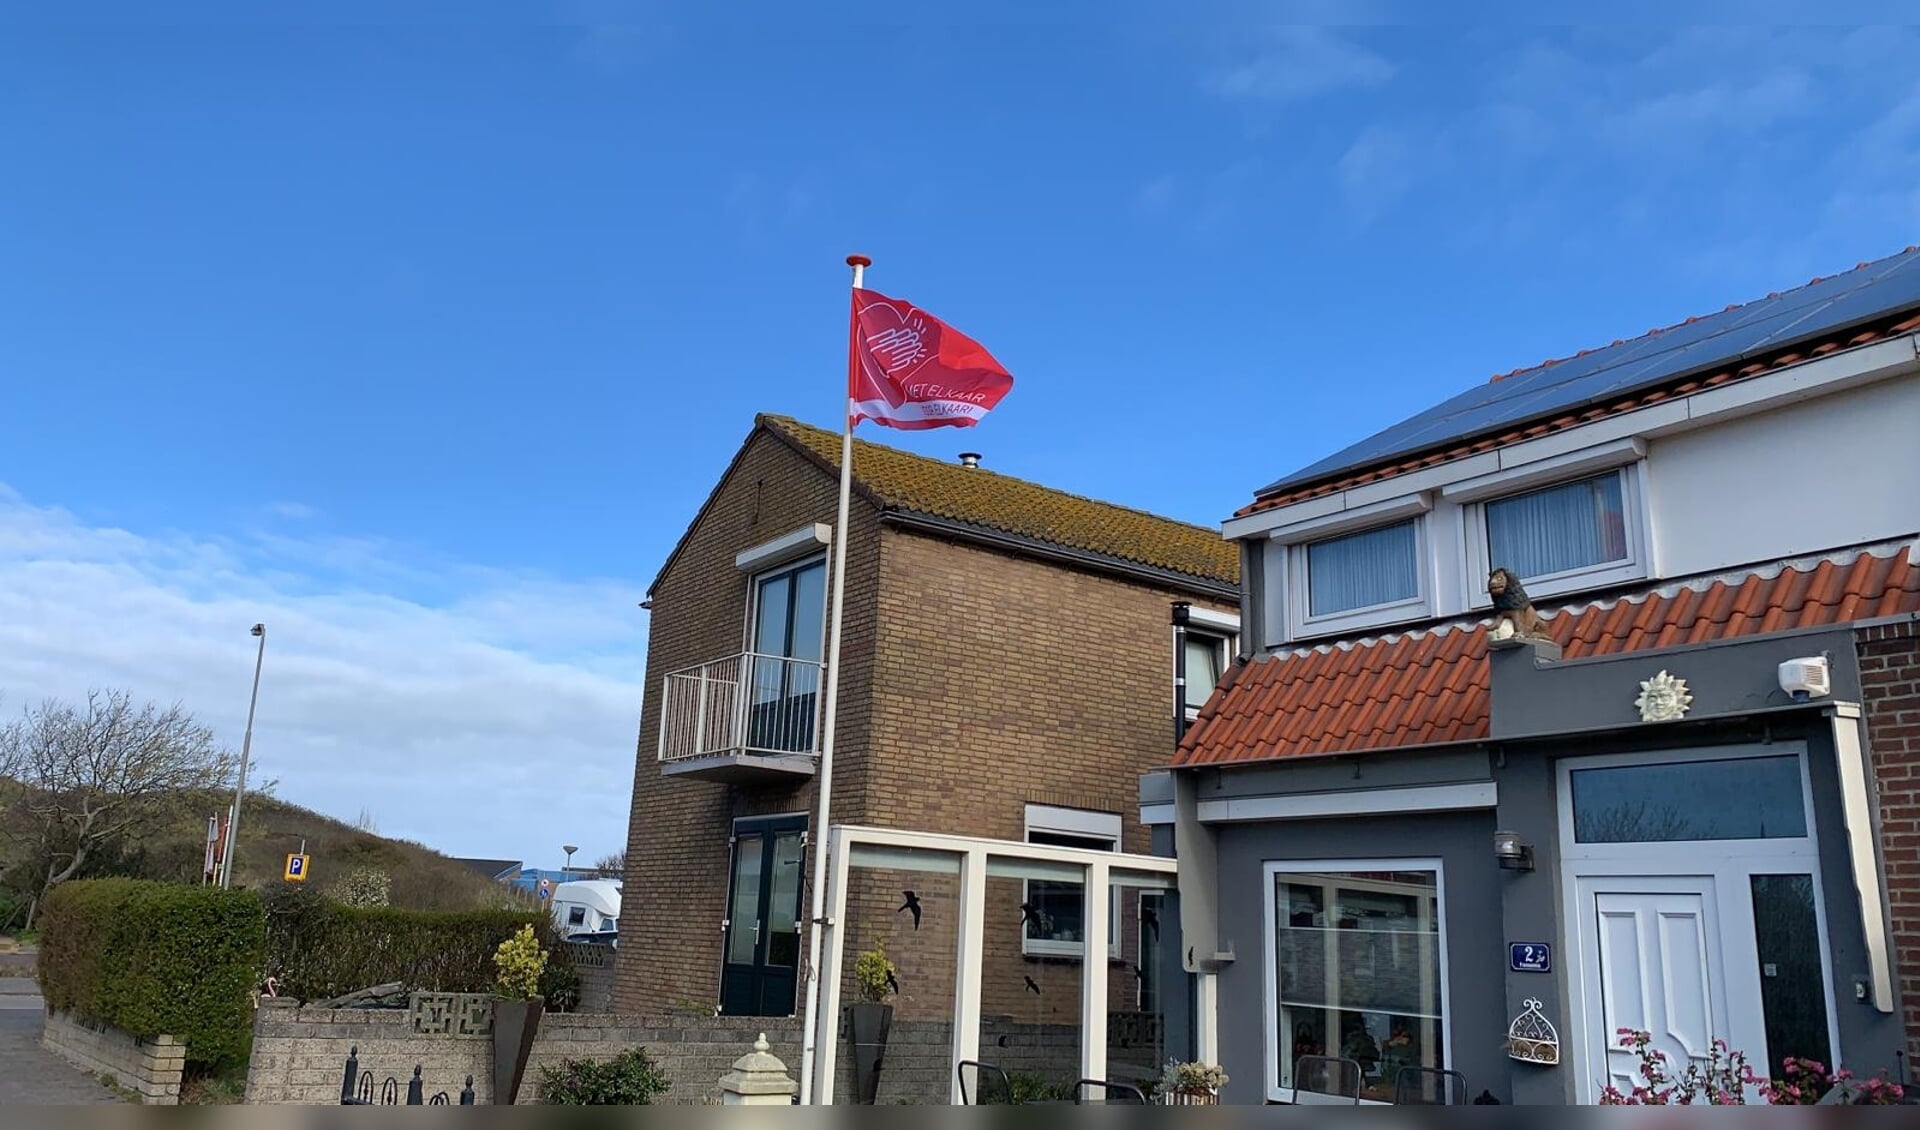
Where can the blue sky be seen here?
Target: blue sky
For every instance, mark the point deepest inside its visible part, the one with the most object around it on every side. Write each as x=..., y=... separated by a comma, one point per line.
x=423, y=337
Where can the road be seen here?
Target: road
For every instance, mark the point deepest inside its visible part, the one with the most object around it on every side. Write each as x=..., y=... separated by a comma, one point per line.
x=30, y=1074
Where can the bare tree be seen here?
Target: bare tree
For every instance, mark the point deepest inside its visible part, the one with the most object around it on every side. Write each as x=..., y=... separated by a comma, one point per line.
x=366, y=823
x=87, y=774
x=612, y=866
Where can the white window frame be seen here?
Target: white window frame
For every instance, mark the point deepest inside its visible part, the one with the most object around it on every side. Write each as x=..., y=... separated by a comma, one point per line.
x=1271, y=871
x=1635, y=567
x=1300, y=580
x=1218, y=626
x=1087, y=824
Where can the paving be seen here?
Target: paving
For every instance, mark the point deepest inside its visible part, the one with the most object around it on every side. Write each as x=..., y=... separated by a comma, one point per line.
x=30, y=1075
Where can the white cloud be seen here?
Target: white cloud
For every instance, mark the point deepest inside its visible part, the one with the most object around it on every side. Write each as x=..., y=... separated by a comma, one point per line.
x=1296, y=63
x=298, y=511
x=495, y=718
x=1376, y=170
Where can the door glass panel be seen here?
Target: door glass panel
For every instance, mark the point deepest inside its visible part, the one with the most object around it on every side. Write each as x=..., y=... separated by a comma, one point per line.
x=1793, y=987
x=809, y=612
x=783, y=906
x=743, y=916
x=1746, y=798
x=770, y=616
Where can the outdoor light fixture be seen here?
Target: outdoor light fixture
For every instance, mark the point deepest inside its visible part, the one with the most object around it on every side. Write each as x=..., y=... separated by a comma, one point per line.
x=1513, y=853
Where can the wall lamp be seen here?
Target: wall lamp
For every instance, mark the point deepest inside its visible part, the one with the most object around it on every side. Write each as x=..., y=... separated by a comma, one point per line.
x=1514, y=853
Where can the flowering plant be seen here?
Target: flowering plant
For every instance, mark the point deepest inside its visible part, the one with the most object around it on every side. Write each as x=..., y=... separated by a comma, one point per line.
x=1722, y=1081
x=1803, y=1082
x=1179, y=1076
x=1725, y=1079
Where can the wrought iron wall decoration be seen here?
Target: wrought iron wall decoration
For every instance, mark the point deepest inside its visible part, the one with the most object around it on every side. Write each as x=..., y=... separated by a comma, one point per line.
x=1531, y=1038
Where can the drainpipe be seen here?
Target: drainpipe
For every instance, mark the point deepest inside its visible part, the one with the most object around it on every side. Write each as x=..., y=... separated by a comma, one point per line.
x=1181, y=611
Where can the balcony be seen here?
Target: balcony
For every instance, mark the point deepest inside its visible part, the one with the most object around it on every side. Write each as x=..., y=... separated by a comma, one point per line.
x=745, y=719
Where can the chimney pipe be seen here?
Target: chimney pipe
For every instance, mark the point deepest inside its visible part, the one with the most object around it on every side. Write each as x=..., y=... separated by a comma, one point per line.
x=970, y=459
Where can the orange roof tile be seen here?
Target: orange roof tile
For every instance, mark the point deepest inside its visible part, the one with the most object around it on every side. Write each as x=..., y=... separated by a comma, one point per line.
x=1426, y=687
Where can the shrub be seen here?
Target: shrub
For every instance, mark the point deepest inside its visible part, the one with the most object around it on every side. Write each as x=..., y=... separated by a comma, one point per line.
x=629, y=1079
x=519, y=963
x=156, y=958
x=1033, y=1087
x=874, y=975
x=320, y=949
x=364, y=886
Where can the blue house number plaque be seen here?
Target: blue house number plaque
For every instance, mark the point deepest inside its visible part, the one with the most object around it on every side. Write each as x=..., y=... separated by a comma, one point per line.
x=1530, y=957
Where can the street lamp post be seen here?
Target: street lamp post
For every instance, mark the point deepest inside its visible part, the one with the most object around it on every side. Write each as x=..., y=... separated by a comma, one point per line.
x=569, y=849
x=246, y=749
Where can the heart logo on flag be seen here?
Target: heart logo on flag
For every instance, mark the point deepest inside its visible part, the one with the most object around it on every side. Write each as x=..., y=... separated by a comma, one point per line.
x=901, y=347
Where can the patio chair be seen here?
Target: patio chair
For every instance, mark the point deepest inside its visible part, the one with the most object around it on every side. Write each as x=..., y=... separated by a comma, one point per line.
x=1324, y=1080
x=1107, y=1092
x=1429, y=1086
x=991, y=1087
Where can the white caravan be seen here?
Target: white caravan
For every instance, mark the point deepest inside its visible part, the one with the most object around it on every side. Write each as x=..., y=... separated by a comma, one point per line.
x=587, y=906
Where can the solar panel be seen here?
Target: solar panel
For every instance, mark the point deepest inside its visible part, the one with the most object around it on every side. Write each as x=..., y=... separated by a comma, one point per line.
x=1763, y=325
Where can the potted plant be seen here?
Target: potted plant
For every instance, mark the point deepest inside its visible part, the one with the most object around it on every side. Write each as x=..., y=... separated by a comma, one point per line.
x=1192, y=1084
x=876, y=978
x=518, y=963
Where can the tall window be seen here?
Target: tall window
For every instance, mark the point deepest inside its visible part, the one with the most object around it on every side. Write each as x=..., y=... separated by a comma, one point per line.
x=1056, y=922
x=1363, y=570
x=1577, y=525
x=1206, y=659
x=789, y=610
x=1358, y=971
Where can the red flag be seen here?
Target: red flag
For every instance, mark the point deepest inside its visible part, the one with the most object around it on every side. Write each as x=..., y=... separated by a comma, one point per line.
x=909, y=369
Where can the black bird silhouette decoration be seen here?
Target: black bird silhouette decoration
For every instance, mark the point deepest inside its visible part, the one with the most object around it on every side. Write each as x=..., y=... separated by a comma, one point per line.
x=1030, y=913
x=1033, y=987
x=893, y=983
x=913, y=904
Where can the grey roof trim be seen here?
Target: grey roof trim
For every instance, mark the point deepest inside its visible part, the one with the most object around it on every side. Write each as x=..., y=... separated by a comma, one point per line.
x=1033, y=547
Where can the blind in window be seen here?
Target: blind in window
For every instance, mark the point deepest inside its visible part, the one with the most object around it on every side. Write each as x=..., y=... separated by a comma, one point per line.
x=1362, y=570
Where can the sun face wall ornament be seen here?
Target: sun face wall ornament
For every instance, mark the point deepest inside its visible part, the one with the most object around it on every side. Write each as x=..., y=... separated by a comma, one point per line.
x=1663, y=698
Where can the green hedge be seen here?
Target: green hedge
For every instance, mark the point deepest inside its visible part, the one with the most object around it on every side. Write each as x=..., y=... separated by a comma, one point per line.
x=156, y=958
x=317, y=949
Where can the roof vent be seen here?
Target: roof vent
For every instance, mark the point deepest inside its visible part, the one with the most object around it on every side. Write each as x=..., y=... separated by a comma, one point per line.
x=970, y=459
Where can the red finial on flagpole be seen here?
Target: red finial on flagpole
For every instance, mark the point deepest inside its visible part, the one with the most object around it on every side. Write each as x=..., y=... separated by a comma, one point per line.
x=859, y=261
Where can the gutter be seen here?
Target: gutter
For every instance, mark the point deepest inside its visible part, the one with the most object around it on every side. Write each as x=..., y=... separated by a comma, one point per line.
x=1086, y=559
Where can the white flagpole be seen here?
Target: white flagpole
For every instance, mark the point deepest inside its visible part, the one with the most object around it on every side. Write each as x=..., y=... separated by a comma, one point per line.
x=817, y=919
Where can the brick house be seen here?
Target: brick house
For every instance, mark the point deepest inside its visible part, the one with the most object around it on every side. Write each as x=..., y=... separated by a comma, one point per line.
x=1008, y=673
x=1687, y=805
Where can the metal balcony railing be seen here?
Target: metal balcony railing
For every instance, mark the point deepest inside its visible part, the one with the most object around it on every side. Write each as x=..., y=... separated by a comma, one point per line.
x=749, y=703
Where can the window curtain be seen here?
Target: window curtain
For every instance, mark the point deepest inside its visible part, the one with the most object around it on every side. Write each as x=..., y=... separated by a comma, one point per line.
x=1571, y=526
x=1361, y=570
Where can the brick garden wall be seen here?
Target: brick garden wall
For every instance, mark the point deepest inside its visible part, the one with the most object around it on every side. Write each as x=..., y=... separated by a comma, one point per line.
x=149, y=1068
x=1890, y=681
x=299, y=1054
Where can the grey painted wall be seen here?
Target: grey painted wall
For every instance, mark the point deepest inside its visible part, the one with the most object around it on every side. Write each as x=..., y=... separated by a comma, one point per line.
x=1532, y=699
x=1532, y=908
x=1472, y=914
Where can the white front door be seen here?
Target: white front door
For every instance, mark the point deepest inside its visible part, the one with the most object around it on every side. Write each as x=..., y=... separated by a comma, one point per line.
x=1655, y=957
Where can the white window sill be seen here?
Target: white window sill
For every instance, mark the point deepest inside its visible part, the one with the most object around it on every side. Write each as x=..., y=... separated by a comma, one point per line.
x=1573, y=581
x=1379, y=615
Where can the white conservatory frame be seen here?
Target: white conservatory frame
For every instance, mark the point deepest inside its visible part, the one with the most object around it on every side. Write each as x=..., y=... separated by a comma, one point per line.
x=972, y=859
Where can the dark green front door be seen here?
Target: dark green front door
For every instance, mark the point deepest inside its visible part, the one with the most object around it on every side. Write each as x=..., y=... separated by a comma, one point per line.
x=762, y=935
